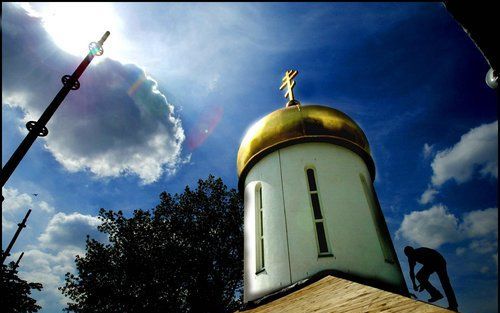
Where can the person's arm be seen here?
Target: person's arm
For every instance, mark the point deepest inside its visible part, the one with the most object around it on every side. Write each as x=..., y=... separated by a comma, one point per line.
x=411, y=264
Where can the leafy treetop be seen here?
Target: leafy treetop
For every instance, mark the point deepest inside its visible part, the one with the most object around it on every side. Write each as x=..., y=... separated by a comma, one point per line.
x=185, y=255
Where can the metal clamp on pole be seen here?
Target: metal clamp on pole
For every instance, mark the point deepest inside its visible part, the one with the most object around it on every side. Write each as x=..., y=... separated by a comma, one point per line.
x=38, y=128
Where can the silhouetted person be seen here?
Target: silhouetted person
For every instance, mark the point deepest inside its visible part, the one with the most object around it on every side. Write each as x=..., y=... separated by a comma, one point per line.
x=432, y=261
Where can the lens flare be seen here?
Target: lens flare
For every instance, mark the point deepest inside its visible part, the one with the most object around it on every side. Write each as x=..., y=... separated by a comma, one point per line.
x=204, y=127
x=135, y=86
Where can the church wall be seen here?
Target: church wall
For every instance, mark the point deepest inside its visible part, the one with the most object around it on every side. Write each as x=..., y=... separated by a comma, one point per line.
x=291, y=249
x=276, y=273
x=353, y=241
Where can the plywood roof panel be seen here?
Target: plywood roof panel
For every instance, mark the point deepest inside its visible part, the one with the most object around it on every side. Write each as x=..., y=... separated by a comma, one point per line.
x=333, y=294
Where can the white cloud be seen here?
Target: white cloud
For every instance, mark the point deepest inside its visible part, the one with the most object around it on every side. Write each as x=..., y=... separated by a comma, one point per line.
x=430, y=228
x=428, y=195
x=460, y=251
x=136, y=135
x=15, y=201
x=437, y=226
x=48, y=269
x=48, y=261
x=478, y=148
x=6, y=224
x=481, y=222
x=70, y=230
x=212, y=84
x=45, y=207
x=117, y=123
x=483, y=246
x=16, y=204
x=427, y=150
x=53, y=254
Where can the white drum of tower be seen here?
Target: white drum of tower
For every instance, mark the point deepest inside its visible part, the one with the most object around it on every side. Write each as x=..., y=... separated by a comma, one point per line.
x=307, y=178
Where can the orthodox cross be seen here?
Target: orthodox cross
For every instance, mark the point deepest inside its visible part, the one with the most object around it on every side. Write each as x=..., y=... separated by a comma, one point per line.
x=289, y=83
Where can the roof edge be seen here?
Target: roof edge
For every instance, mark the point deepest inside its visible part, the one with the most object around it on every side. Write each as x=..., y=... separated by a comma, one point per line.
x=318, y=276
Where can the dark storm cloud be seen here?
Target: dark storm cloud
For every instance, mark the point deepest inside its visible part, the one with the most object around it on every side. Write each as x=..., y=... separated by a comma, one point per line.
x=117, y=123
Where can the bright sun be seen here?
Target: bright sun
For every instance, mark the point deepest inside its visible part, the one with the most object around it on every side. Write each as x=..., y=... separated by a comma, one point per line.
x=74, y=25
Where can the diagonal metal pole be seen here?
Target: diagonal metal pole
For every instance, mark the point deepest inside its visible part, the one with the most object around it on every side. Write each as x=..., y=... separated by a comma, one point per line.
x=18, y=260
x=18, y=231
x=38, y=128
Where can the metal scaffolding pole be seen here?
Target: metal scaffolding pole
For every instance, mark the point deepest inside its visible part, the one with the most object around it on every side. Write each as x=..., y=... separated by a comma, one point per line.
x=18, y=231
x=18, y=260
x=38, y=128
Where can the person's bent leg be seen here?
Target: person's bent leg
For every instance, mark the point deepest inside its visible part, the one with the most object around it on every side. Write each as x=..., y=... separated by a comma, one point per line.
x=423, y=278
x=448, y=290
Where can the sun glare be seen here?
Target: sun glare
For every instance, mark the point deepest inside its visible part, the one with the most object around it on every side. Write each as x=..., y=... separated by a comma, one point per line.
x=74, y=25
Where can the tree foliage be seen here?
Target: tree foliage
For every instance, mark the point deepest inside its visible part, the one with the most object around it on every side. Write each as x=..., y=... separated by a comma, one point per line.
x=185, y=255
x=15, y=292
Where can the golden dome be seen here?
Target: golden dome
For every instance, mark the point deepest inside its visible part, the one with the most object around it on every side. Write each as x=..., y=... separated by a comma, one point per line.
x=297, y=124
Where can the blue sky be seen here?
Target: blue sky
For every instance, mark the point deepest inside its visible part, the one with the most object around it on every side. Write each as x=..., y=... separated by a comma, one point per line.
x=179, y=84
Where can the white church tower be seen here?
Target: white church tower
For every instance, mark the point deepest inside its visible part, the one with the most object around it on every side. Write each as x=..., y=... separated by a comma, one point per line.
x=307, y=177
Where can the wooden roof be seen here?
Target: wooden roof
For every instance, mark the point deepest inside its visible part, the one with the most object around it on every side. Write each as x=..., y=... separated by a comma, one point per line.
x=333, y=294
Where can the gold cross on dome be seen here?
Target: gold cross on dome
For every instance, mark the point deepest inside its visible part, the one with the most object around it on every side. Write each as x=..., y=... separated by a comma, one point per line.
x=289, y=83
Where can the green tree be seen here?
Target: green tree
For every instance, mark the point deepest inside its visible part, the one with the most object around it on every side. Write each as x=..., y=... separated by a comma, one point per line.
x=16, y=292
x=186, y=255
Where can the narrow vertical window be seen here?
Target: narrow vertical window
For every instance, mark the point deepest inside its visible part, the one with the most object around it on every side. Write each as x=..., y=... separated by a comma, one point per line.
x=318, y=216
x=377, y=218
x=259, y=228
